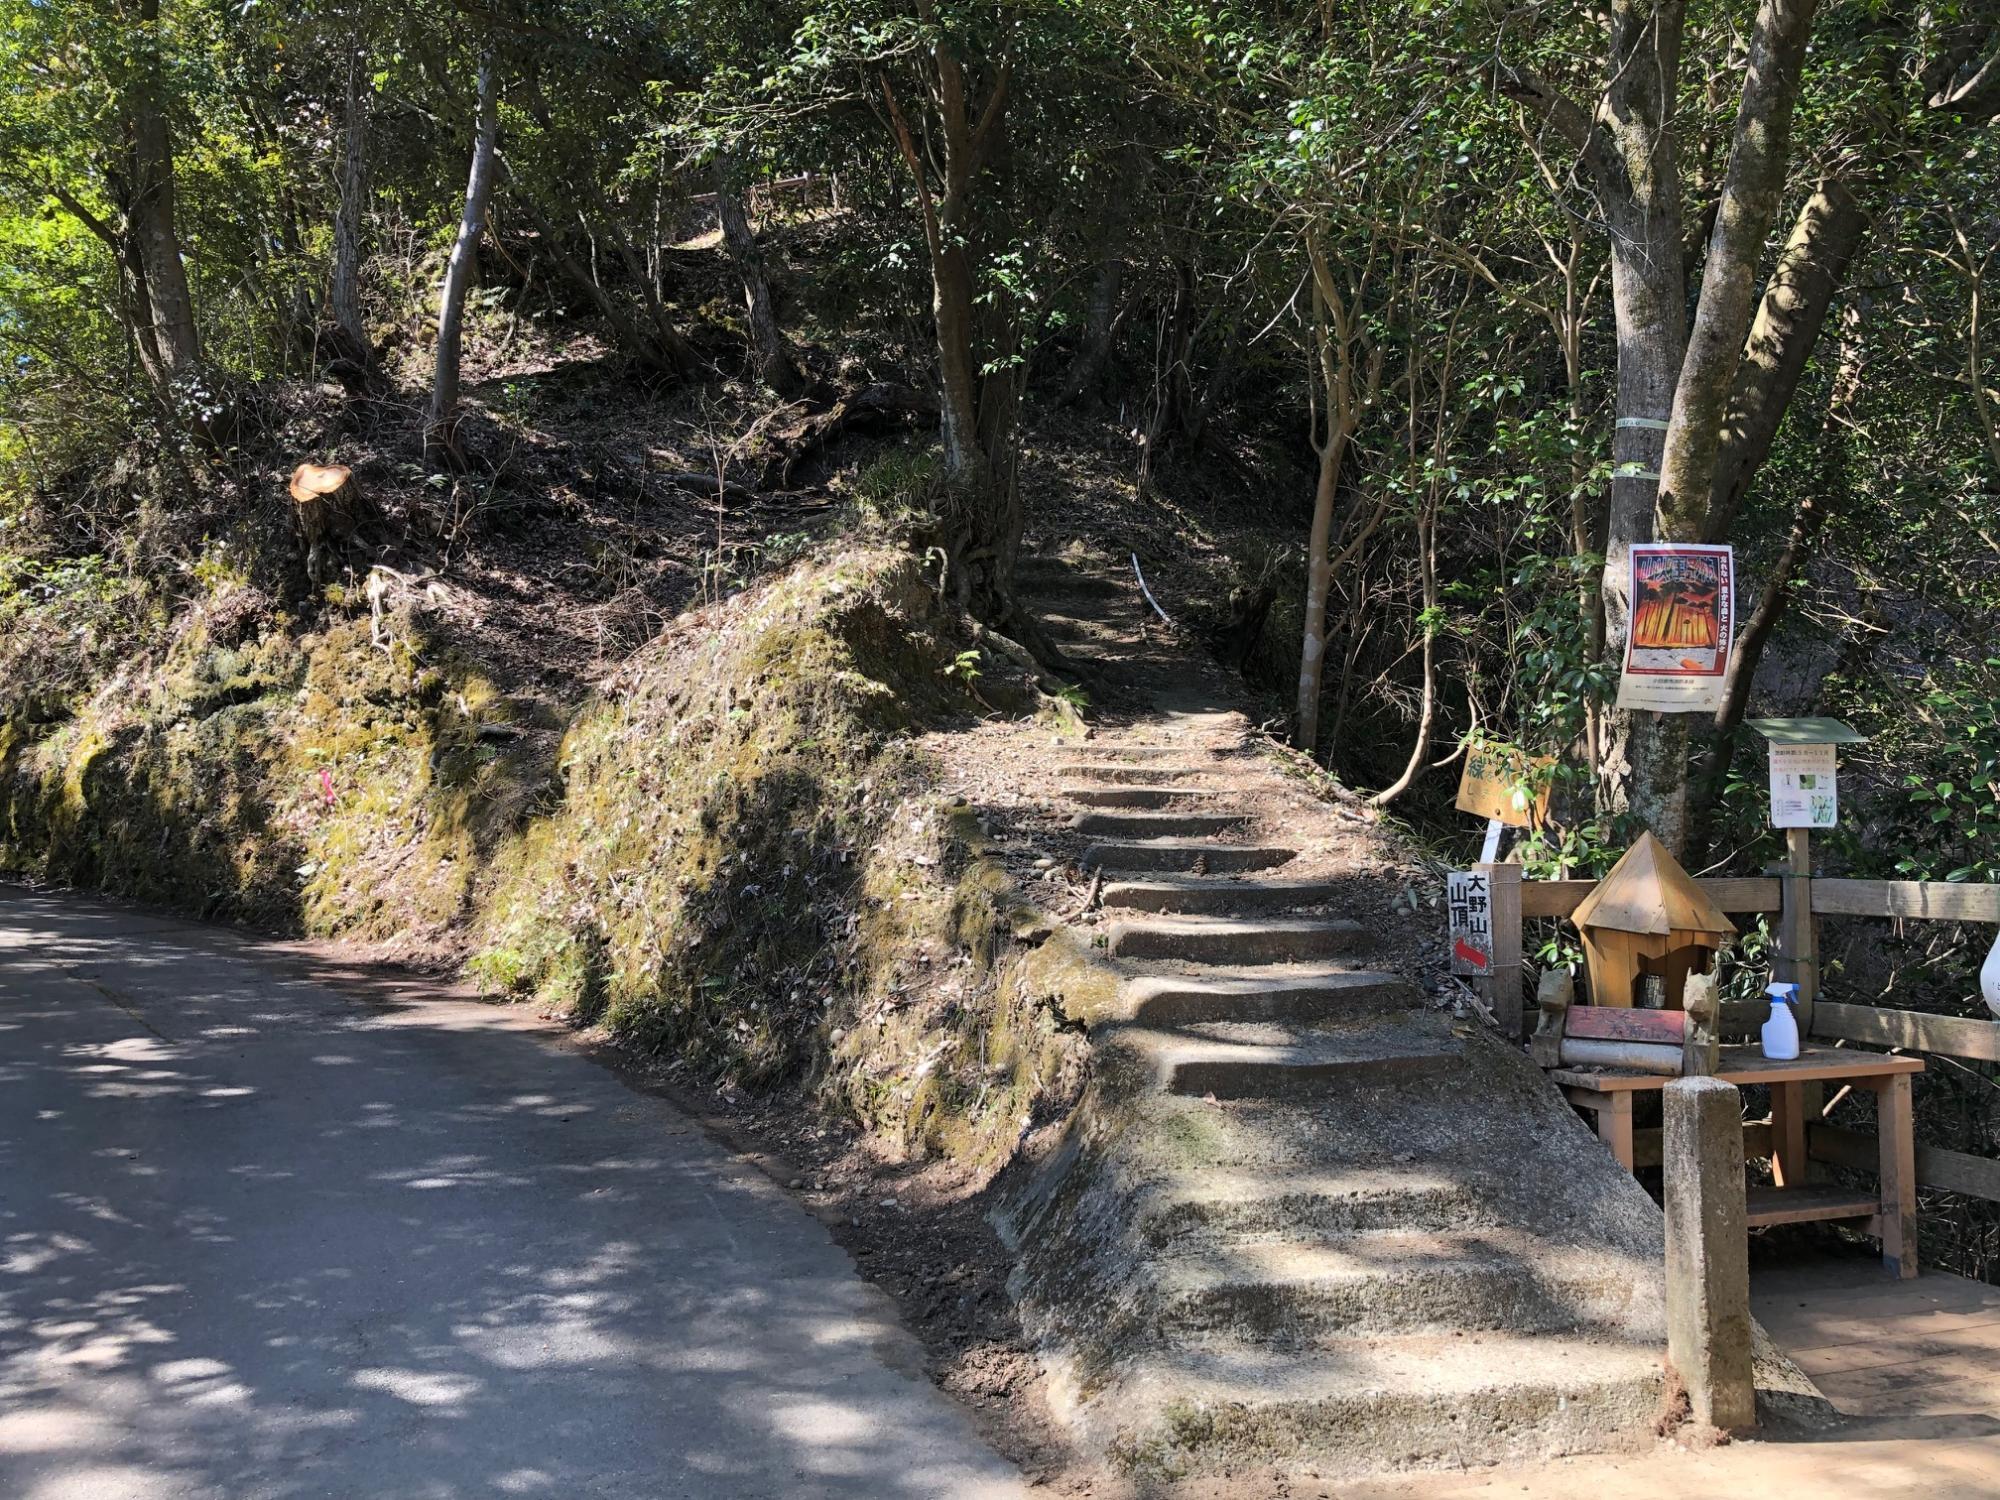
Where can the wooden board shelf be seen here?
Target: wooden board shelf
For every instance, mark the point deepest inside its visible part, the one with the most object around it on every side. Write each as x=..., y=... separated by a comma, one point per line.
x=1768, y=1206
x=1747, y=1064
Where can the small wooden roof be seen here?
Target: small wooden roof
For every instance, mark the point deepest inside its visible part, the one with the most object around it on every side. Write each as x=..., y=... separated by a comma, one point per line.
x=1647, y=891
x=310, y=481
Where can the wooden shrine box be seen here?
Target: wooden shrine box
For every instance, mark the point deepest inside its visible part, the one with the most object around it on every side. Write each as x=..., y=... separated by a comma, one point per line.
x=1648, y=918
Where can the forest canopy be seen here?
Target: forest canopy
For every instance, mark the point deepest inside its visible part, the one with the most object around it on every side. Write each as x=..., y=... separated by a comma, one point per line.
x=1456, y=302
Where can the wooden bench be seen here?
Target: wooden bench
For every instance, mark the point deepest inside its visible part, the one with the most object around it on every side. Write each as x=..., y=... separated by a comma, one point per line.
x=1891, y=1213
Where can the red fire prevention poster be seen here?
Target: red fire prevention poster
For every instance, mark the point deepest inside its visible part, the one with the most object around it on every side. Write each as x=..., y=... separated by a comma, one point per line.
x=1683, y=616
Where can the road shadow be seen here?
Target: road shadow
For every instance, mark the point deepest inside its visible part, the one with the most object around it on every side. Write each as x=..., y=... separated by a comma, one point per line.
x=258, y=1240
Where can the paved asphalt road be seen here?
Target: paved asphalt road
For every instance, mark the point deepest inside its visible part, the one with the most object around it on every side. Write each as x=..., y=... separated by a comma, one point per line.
x=263, y=1238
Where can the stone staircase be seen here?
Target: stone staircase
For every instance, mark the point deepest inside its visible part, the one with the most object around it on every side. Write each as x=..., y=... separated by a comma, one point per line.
x=1304, y=1217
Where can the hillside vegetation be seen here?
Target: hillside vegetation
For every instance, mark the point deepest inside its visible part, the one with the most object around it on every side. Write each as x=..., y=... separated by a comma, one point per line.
x=696, y=376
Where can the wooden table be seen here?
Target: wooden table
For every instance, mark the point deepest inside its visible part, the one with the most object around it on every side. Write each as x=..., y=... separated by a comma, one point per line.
x=1891, y=1214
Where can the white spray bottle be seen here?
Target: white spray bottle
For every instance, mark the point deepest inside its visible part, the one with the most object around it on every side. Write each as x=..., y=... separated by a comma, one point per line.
x=1781, y=1032
x=1989, y=978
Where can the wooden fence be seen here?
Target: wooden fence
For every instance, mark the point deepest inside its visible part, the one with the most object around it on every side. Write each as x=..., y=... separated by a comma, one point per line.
x=1794, y=899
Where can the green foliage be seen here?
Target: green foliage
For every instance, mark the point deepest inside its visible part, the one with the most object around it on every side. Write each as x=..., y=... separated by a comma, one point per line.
x=897, y=486
x=1953, y=820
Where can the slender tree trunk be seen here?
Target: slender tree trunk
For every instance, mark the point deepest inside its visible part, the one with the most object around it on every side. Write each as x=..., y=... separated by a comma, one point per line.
x=768, y=353
x=1829, y=231
x=344, y=291
x=1337, y=338
x=464, y=263
x=1100, y=321
x=135, y=305
x=671, y=358
x=958, y=379
x=980, y=515
x=1974, y=266
x=1319, y=588
x=151, y=216
x=1427, y=712
x=1750, y=193
x=1644, y=769
x=1586, y=525
x=1810, y=515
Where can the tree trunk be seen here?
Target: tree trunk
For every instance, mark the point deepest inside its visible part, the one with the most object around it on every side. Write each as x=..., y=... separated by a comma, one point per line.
x=769, y=356
x=463, y=265
x=344, y=292
x=1099, y=323
x=1750, y=193
x=1319, y=587
x=1830, y=229
x=1644, y=770
x=151, y=217
x=1338, y=334
x=1656, y=746
x=1810, y=515
x=1427, y=712
x=1673, y=390
x=135, y=306
x=671, y=357
x=980, y=515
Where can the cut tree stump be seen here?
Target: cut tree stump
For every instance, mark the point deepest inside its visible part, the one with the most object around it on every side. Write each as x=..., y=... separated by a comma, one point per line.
x=330, y=510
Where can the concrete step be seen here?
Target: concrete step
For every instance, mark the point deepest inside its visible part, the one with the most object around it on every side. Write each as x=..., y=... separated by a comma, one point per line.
x=1316, y=1294
x=1146, y=773
x=1203, y=893
x=1234, y=940
x=1144, y=796
x=1273, y=1060
x=1118, y=750
x=1158, y=825
x=1184, y=854
x=1212, y=1209
x=1421, y=1401
x=1283, y=995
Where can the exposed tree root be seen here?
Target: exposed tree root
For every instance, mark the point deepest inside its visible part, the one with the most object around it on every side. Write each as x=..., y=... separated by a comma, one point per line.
x=877, y=405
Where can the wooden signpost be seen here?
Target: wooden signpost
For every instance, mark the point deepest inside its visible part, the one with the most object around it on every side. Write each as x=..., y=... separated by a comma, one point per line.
x=1801, y=800
x=1499, y=784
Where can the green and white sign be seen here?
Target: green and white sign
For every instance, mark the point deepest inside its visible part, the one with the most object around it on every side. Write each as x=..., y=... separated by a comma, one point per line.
x=1802, y=786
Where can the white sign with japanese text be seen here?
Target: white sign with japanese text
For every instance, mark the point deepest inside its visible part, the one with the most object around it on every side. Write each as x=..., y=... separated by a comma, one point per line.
x=1469, y=900
x=1802, y=794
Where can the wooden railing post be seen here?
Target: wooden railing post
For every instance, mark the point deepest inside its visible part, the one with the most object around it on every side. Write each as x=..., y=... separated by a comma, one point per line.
x=1797, y=959
x=1501, y=989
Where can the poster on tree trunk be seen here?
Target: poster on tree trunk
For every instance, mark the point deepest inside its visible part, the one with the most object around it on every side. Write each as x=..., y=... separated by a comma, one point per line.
x=1683, y=616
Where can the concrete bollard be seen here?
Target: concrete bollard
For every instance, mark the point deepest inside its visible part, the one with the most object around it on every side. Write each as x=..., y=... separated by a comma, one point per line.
x=1708, y=1251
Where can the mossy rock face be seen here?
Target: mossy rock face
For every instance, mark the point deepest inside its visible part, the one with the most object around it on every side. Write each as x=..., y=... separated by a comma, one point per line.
x=289, y=781
x=732, y=854
x=718, y=813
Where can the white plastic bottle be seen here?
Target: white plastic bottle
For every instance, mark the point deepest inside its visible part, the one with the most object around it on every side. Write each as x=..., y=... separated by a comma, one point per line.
x=1989, y=978
x=1781, y=1032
